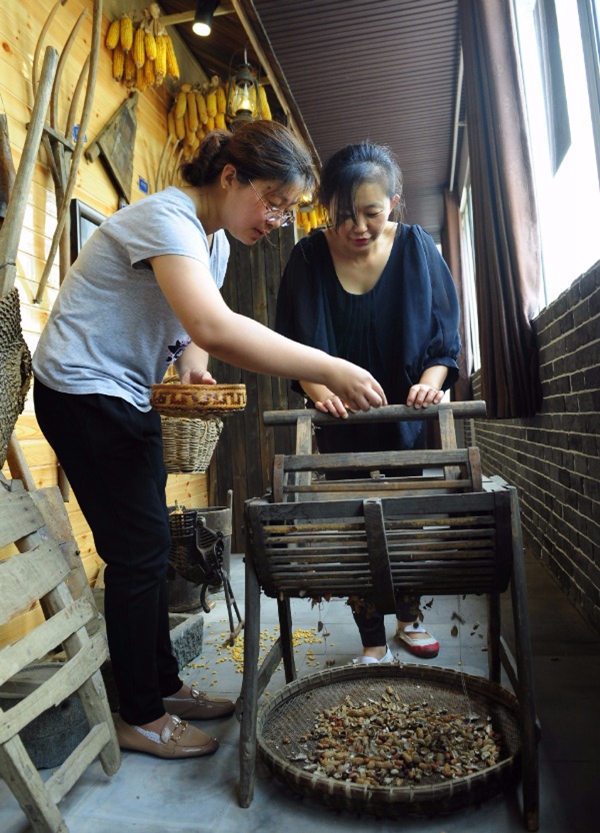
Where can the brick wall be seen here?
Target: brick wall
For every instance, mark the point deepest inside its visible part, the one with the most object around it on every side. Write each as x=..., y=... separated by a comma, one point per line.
x=554, y=458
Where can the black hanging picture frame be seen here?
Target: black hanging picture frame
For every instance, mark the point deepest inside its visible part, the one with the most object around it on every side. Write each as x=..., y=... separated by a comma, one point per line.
x=84, y=221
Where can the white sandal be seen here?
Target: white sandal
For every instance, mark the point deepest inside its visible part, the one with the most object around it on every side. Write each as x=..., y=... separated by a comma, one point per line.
x=389, y=657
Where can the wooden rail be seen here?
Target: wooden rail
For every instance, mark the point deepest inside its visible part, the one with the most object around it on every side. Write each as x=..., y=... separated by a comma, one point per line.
x=388, y=413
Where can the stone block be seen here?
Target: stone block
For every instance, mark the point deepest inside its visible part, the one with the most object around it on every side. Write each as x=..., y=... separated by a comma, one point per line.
x=50, y=738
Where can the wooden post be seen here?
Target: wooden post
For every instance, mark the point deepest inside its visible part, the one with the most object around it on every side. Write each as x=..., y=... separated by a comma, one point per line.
x=247, y=702
x=74, y=162
x=10, y=232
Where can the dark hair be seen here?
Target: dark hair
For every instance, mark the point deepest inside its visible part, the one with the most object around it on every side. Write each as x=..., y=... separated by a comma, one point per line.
x=258, y=150
x=348, y=169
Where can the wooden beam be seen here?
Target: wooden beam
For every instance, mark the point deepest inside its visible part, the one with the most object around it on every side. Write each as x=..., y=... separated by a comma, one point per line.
x=187, y=17
x=257, y=36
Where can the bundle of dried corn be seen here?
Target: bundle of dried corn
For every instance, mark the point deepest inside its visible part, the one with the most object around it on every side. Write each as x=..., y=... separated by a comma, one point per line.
x=195, y=112
x=312, y=216
x=143, y=54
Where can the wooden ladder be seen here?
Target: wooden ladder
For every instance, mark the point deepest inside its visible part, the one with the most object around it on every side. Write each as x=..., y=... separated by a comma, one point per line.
x=40, y=572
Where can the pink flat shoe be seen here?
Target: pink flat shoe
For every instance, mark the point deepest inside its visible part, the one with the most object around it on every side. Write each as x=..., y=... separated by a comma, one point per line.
x=199, y=706
x=418, y=641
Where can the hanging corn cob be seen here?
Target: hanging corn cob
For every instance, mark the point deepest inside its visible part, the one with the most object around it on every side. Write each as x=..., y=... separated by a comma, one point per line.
x=172, y=66
x=113, y=34
x=149, y=39
x=180, y=127
x=188, y=121
x=140, y=79
x=118, y=62
x=221, y=100
x=201, y=107
x=129, y=71
x=149, y=73
x=312, y=216
x=180, y=102
x=150, y=46
x=211, y=104
x=126, y=32
x=139, y=47
x=192, y=111
x=264, y=103
x=161, y=57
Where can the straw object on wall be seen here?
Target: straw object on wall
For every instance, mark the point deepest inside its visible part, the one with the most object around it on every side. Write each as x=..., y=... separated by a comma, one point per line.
x=15, y=368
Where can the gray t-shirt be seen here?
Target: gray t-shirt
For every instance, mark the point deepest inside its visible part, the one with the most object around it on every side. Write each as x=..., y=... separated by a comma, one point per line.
x=111, y=330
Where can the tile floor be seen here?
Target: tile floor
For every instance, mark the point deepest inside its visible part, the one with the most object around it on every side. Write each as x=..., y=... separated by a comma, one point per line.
x=156, y=796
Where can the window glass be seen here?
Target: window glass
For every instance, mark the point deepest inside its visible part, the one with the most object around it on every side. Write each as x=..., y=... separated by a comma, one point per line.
x=468, y=274
x=553, y=81
x=568, y=196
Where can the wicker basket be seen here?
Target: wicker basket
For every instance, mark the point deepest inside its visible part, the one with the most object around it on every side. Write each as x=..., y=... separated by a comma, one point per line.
x=189, y=444
x=173, y=399
x=292, y=712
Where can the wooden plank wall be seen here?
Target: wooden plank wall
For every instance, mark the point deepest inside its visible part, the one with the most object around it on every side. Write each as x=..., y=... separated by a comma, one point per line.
x=21, y=22
x=244, y=456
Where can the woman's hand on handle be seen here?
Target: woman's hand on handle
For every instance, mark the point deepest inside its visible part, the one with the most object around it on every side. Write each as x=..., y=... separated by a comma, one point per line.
x=421, y=396
x=354, y=388
x=427, y=391
x=325, y=400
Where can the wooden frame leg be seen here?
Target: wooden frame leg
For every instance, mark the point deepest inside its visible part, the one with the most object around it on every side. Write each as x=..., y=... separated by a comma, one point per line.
x=529, y=755
x=97, y=708
x=494, y=630
x=249, y=693
x=28, y=788
x=287, y=647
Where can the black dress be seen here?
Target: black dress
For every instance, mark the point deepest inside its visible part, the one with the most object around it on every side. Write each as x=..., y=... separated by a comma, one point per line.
x=406, y=323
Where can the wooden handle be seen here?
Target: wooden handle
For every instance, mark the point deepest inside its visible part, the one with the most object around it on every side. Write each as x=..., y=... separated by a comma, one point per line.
x=388, y=413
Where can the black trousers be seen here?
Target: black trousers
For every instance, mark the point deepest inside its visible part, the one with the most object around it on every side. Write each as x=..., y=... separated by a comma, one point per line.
x=371, y=625
x=112, y=455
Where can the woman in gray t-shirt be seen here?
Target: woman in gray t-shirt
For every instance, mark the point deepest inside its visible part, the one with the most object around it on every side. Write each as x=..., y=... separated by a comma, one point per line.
x=142, y=295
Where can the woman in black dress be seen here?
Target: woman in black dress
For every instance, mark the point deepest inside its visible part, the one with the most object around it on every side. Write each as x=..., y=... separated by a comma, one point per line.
x=377, y=292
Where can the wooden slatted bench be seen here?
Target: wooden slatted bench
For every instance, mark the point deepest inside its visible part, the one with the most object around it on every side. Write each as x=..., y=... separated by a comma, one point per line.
x=445, y=531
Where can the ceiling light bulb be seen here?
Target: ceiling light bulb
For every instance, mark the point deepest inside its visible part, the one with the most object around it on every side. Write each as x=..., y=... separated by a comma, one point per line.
x=202, y=29
x=205, y=10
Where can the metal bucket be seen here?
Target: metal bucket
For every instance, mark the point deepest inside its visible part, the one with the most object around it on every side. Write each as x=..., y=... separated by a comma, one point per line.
x=218, y=518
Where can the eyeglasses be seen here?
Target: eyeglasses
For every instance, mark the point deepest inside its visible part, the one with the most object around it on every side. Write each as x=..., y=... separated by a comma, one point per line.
x=274, y=215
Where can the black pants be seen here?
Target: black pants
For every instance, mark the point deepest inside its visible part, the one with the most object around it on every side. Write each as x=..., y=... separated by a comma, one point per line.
x=371, y=625
x=112, y=456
